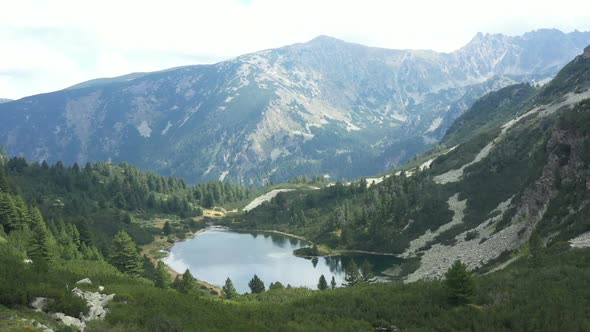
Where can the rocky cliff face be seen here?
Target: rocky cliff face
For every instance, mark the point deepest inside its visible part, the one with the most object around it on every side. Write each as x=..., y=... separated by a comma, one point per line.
x=536, y=169
x=322, y=107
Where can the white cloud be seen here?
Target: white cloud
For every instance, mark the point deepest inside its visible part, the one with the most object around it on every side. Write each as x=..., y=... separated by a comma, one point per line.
x=61, y=42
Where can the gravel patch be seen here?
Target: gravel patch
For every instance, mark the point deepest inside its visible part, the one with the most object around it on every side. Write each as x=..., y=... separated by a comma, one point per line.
x=264, y=198
x=581, y=241
x=458, y=208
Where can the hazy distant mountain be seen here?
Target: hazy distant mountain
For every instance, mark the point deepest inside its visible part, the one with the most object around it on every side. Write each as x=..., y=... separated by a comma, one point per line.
x=4, y=100
x=321, y=107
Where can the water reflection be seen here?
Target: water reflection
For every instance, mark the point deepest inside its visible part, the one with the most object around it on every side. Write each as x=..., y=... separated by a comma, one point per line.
x=314, y=262
x=216, y=254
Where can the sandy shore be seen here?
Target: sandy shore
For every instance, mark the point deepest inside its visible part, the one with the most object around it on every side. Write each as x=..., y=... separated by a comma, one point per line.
x=164, y=247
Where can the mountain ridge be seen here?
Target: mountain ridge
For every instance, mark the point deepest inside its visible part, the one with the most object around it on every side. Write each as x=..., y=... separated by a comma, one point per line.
x=511, y=168
x=303, y=109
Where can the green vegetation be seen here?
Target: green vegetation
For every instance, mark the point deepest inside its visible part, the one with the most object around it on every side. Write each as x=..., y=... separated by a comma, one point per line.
x=229, y=290
x=459, y=284
x=162, y=276
x=124, y=254
x=59, y=223
x=322, y=283
x=256, y=285
x=100, y=199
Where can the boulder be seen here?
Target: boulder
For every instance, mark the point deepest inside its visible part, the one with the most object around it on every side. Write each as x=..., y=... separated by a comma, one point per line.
x=39, y=304
x=84, y=281
x=69, y=321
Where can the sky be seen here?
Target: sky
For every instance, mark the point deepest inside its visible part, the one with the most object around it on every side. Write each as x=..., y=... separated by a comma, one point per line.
x=47, y=45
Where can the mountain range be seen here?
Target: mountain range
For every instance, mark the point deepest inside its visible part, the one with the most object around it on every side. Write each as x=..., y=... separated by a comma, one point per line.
x=511, y=173
x=325, y=107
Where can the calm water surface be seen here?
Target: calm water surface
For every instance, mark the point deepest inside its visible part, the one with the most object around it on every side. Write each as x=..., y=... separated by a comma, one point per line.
x=217, y=254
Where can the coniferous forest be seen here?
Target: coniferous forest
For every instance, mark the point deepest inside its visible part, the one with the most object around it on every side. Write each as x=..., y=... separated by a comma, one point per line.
x=319, y=186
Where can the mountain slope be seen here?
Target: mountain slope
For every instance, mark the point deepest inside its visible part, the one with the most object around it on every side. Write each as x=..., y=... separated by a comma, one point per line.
x=322, y=107
x=516, y=164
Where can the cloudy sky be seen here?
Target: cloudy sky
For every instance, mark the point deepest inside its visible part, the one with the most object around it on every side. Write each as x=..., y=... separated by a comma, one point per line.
x=49, y=45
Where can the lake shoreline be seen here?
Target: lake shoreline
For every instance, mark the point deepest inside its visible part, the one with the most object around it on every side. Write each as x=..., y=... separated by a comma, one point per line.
x=333, y=252
x=298, y=237
x=165, y=248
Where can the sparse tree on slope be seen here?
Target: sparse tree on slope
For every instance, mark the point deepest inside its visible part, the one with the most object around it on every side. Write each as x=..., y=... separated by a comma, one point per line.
x=367, y=274
x=40, y=248
x=352, y=277
x=275, y=286
x=322, y=284
x=124, y=255
x=8, y=213
x=459, y=284
x=256, y=285
x=162, y=277
x=167, y=229
x=187, y=284
x=229, y=291
x=333, y=283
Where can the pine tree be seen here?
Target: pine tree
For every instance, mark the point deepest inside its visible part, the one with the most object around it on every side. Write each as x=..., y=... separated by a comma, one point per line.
x=209, y=201
x=124, y=255
x=352, y=276
x=162, y=277
x=186, y=284
x=367, y=274
x=40, y=247
x=8, y=213
x=322, y=284
x=333, y=283
x=275, y=286
x=90, y=252
x=176, y=283
x=167, y=229
x=459, y=284
x=229, y=291
x=4, y=188
x=256, y=285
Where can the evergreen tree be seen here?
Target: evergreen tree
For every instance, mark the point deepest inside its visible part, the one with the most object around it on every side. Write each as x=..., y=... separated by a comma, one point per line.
x=352, y=276
x=3, y=183
x=90, y=252
x=367, y=274
x=256, y=285
x=459, y=284
x=162, y=277
x=209, y=201
x=8, y=213
x=167, y=229
x=187, y=284
x=333, y=283
x=229, y=291
x=275, y=286
x=40, y=247
x=176, y=283
x=322, y=284
x=124, y=255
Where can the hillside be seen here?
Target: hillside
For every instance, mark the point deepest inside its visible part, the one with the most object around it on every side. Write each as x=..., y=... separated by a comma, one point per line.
x=515, y=165
x=303, y=109
x=546, y=289
x=509, y=185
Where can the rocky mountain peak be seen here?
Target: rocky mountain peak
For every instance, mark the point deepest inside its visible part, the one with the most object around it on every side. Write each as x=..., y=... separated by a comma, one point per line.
x=586, y=54
x=307, y=108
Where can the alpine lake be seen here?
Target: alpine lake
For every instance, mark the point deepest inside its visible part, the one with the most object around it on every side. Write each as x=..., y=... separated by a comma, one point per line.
x=217, y=253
